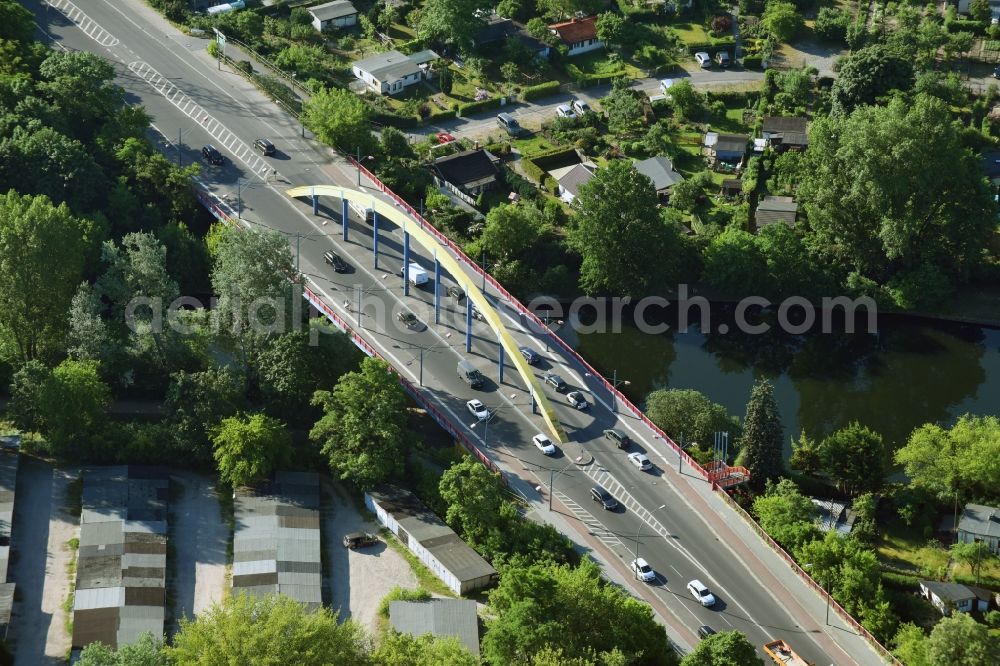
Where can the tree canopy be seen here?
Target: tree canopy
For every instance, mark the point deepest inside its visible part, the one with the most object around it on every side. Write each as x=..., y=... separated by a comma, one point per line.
x=689, y=414
x=249, y=447
x=762, y=443
x=726, y=648
x=855, y=458
x=341, y=119
x=786, y=514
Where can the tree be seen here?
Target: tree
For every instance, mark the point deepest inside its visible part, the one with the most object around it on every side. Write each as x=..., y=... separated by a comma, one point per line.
x=250, y=273
x=510, y=72
x=396, y=649
x=959, y=640
x=43, y=250
x=761, y=443
x=689, y=415
x=805, y=454
x=147, y=651
x=305, y=60
x=249, y=447
x=687, y=194
x=511, y=232
x=626, y=247
x=270, y=631
x=832, y=24
x=727, y=648
x=363, y=427
x=194, y=405
x=735, y=263
x=453, y=22
x=611, y=28
x=543, y=605
x=71, y=406
x=870, y=73
x=26, y=388
x=974, y=555
x=782, y=19
x=865, y=214
x=625, y=115
x=689, y=102
x=395, y=146
x=80, y=86
x=911, y=645
x=980, y=10
x=855, y=458
x=341, y=119
x=786, y=514
x=90, y=337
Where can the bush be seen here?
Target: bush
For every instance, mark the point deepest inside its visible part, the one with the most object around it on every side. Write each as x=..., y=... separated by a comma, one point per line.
x=832, y=24
x=401, y=594
x=536, y=165
x=540, y=90
x=469, y=108
x=444, y=115
x=245, y=66
x=753, y=62
x=394, y=120
x=966, y=25
x=899, y=581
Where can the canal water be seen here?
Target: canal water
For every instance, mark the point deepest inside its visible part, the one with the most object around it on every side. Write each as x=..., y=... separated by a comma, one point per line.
x=908, y=372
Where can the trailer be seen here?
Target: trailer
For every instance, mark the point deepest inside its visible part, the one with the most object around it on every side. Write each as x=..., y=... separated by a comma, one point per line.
x=782, y=654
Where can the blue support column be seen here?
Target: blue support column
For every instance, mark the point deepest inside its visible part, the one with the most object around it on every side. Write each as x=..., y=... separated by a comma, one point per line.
x=468, y=324
x=501, y=359
x=406, y=263
x=375, y=238
x=437, y=290
x=315, y=201
x=344, y=216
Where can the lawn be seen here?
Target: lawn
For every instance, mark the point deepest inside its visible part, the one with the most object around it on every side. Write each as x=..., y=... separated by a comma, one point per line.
x=599, y=63
x=533, y=145
x=691, y=33
x=905, y=548
x=731, y=121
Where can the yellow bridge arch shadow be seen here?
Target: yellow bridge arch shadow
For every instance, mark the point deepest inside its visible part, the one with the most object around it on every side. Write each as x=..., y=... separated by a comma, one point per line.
x=431, y=245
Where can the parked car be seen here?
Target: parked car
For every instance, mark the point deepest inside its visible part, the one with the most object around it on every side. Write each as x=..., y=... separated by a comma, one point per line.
x=996, y=72
x=621, y=440
x=335, y=261
x=606, y=499
x=704, y=631
x=555, y=381
x=478, y=409
x=509, y=123
x=212, y=156
x=722, y=57
x=264, y=147
x=665, y=86
x=529, y=354
x=580, y=107
x=701, y=593
x=703, y=59
x=564, y=111
x=410, y=320
x=576, y=399
x=359, y=540
x=544, y=444
x=640, y=461
x=642, y=570
x=444, y=137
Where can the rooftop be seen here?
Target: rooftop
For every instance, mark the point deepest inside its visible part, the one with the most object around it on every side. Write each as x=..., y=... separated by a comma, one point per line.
x=776, y=209
x=949, y=591
x=393, y=65
x=980, y=519
x=774, y=124
x=571, y=178
x=441, y=617
x=576, y=30
x=661, y=171
x=731, y=143
x=466, y=167
x=333, y=10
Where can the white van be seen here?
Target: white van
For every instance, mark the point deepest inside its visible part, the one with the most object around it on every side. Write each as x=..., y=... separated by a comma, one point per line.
x=415, y=273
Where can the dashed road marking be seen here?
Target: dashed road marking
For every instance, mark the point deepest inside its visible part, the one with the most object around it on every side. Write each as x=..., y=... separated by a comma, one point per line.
x=596, y=528
x=84, y=22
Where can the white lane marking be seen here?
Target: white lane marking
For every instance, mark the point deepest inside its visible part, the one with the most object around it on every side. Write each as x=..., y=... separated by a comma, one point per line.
x=84, y=22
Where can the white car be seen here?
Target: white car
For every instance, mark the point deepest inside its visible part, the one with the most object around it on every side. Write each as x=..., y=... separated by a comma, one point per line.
x=703, y=59
x=580, y=107
x=642, y=570
x=564, y=111
x=701, y=593
x=478, y=409
x=544, y=444
x=640, y=460
x=665, y=86
x=576, y=399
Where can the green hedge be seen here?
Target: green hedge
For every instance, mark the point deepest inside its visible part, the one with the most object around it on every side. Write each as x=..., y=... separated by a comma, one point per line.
x=730, y=97
x=393, y=120
x=714, y=46
x=475, y=107
x=966, y=25
x=536, y=165
x=540, y=90
x=753, y=62
x=900, y=581
x=585, y=80
x=444, y=115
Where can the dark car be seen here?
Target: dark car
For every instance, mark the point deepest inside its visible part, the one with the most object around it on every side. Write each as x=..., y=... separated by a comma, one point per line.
x=705, y=631
x=529, y=354
x=332, y=258
x=264, y=146
x=359, y=540
x=457, y=293
x=410, y=320
x=555, y=381
x=996, y=72
x=599, y=494
x=212, y=156
x=620, y=439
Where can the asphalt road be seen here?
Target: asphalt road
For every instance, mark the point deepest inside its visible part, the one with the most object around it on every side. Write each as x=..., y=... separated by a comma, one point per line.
x=692, y=536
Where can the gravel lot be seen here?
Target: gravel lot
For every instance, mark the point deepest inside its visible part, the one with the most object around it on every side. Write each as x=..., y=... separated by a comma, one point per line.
x=199, y=537
x=41, y=525
x=358, y=579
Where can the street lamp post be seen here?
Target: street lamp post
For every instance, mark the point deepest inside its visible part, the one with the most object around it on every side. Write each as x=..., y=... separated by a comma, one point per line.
x=486, y=424
x=367, y=157
x=552, y=481
x=422, y=349
x=614, y=387
x=547, y=321
x=662, y=506
x=826, y=590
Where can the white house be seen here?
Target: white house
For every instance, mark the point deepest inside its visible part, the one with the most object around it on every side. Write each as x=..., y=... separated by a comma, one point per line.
x=947, y=597
x=980, y=524
x=571, y=178
x=388, y=73
x=337, y=14
x=579, y=35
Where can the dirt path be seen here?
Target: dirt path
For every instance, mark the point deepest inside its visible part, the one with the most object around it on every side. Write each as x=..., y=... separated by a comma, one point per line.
x=199, y=537
x=358, y=579
x=38, y=633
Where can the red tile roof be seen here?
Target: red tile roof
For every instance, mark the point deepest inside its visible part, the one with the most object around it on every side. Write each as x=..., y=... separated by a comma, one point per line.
x=577, y=30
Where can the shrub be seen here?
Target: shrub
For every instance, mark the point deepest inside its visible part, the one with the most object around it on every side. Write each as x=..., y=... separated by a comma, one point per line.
x=753, y=62
x=401, y=594
x=540, y=90
x=469, y=108
x=965, y=25
x=245, y=66
x=832, y=24
x=720, y=25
